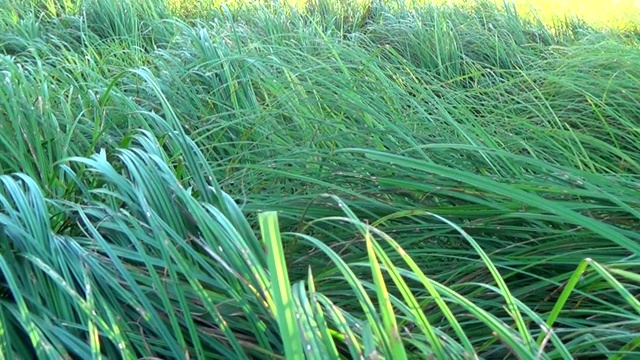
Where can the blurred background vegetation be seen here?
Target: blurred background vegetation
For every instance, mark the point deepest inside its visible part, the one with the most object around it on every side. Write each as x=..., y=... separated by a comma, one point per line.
x=620, y=14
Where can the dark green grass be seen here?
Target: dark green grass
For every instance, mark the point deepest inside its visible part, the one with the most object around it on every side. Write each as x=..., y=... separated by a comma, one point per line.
x=449, y=183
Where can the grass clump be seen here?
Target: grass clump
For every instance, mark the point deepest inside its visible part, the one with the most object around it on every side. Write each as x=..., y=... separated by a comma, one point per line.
x=375, y=180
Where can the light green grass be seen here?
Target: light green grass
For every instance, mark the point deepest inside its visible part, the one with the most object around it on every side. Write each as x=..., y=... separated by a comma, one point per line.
x=342, y=180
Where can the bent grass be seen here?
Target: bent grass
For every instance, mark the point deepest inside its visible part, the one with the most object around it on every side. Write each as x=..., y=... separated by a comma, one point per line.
x=370, y=181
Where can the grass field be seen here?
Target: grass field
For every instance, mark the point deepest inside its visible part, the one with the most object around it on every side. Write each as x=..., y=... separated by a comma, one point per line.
x=357, y=180
x=620, y=14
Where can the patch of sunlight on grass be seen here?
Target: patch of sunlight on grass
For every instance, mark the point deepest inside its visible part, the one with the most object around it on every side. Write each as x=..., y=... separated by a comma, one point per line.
x=599, y=13
x=608, y=13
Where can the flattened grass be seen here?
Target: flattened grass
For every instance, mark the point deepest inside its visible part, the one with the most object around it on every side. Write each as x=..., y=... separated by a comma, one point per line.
x=448, y=182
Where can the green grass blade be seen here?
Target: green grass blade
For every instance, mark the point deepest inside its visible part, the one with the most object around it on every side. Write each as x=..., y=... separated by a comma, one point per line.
x=392, y=331
x=283, y=305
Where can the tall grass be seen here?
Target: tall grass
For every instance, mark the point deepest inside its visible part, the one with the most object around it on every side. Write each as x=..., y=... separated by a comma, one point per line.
x=369, y=180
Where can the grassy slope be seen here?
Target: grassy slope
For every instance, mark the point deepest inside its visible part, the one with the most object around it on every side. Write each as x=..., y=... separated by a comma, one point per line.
x=498, y=155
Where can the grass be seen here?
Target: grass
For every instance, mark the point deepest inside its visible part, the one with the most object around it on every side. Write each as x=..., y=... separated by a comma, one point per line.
x=619, y=14
x=338, y=180
x=604, y=14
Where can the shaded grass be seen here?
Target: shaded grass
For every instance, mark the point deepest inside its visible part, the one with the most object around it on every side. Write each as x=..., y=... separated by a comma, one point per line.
x=449, y=182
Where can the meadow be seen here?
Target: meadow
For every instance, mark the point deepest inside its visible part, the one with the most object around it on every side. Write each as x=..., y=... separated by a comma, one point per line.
x=339, y=180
